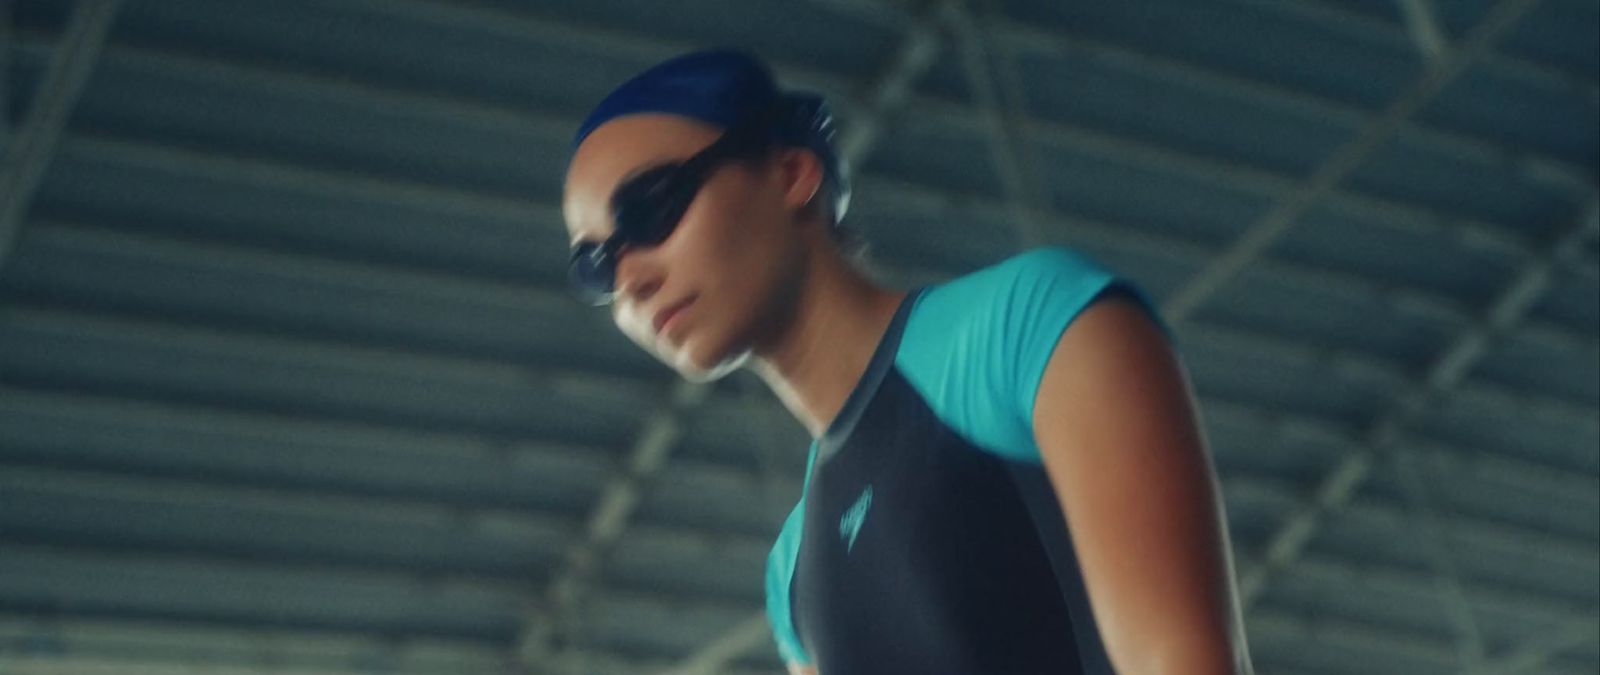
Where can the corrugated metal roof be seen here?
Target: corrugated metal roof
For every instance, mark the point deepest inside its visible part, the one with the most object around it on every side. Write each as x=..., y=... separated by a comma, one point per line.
x=288, y=378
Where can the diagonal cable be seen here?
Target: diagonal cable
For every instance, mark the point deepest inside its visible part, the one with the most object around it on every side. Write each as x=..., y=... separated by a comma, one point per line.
x=1334, y=492
x=1546, y=645
x=6, y=40
x=649, y=451
x=1428, y=527
x=1005, y=152
x=1000, y=108
x=1423, y=25
x=29, y=152
x=1272, y=226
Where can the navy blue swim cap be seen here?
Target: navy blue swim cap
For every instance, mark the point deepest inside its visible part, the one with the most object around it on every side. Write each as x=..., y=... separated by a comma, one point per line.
x=721, y=88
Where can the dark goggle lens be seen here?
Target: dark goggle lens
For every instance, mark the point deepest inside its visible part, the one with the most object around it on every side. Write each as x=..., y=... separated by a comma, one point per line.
x=647, y=208
x=593, y=273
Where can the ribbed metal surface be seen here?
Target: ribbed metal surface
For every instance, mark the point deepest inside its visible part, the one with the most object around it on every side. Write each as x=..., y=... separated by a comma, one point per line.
x=289, y=383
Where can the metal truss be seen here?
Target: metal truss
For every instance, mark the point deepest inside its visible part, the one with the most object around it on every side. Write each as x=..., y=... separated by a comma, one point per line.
x=1000, y=116
x=29, y=152
x=1271, y=227
x=1383, y=440
x=559, y=612
x=1261, y=235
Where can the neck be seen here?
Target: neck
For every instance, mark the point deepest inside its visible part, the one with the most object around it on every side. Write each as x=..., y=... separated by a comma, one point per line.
x=836, y=323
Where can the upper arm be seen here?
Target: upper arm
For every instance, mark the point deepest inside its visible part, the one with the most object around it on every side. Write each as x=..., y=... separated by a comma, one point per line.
x=1118, y=436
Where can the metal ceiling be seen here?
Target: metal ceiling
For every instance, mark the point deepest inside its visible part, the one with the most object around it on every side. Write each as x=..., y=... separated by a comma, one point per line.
x=289, y=384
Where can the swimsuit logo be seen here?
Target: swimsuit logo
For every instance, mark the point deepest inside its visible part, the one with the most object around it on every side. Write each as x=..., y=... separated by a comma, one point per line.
x=850, y=524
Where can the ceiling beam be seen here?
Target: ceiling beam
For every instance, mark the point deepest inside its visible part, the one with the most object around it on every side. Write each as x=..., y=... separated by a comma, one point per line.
x=1336, y=489
x=550, y=628
x=892, y=90
x=443, y=370
x=142, y=545
x=399, y=193
x=66, y=486
x=597, y=39
x=41, y=664
x=1388, y=582
x=387, y=191
x=1471, y=232
x=408, y=282
x=1326, y=11
x=51, y=645
x=477, y=371
x=1309, y=622
x=29, y=152
x=7, y=43
x=1272, y=226
x=1126, y=238
x=310, y=371
x=1380, y=211
x=1536, y=653
x=592, y=662
x=1052, y=39
x=534, y=300
x=1001, y=100
x=1423, y=25
x=76, y=580
x=126, y=645
x=1059, y=42
x=118, y=419
x=1266, y=183
x=996, y=90
x=714, y=656
x=1561, y=553
x=1427, y=526
x=203, y=496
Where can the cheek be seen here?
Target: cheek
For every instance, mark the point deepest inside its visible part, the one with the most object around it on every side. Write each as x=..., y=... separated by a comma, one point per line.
x=731, y=254
x=635, y=327
x=743, y=241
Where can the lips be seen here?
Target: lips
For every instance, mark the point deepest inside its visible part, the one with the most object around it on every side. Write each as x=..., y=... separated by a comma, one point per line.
x=665, y=315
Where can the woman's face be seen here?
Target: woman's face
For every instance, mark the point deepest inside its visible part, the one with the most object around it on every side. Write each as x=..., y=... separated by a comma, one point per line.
x=703, y=298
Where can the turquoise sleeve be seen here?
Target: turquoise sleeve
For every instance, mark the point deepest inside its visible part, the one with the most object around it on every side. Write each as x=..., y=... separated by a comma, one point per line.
x=780, y=569
x=780, y=573
x=976, y=347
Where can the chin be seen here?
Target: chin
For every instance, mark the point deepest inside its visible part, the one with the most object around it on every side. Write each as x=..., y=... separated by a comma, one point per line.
x=698, y=367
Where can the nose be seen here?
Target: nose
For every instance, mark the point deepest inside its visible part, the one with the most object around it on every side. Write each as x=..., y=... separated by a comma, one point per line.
x=638, y=277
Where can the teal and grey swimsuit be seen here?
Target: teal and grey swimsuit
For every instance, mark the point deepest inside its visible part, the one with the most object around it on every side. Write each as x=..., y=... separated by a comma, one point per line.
x=927, y=538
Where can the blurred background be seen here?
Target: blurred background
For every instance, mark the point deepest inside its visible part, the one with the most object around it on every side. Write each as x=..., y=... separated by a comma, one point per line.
x=290, y=382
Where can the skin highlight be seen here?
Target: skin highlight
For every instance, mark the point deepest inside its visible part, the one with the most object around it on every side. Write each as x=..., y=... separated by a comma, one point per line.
x=762, y=284
x=765, y=283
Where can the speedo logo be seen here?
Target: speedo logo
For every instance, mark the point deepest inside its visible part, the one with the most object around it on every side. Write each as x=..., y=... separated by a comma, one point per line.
x=850, y=523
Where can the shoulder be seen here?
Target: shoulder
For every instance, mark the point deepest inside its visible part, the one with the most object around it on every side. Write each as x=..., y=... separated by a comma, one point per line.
x=1051, y=267
x=974, y=347
x=988, y=297
x=1004, y=309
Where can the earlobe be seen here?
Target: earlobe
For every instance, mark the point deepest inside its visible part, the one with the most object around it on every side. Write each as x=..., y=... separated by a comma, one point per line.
x=804, y=177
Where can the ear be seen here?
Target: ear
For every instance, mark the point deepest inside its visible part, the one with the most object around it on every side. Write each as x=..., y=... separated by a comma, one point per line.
x=801, y=173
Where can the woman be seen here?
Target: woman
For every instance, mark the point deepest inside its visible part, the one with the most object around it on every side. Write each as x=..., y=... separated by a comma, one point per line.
x=1007, y=474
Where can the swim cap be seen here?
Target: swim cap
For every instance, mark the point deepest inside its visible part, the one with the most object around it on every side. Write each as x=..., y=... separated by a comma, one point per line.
x=720, y=88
